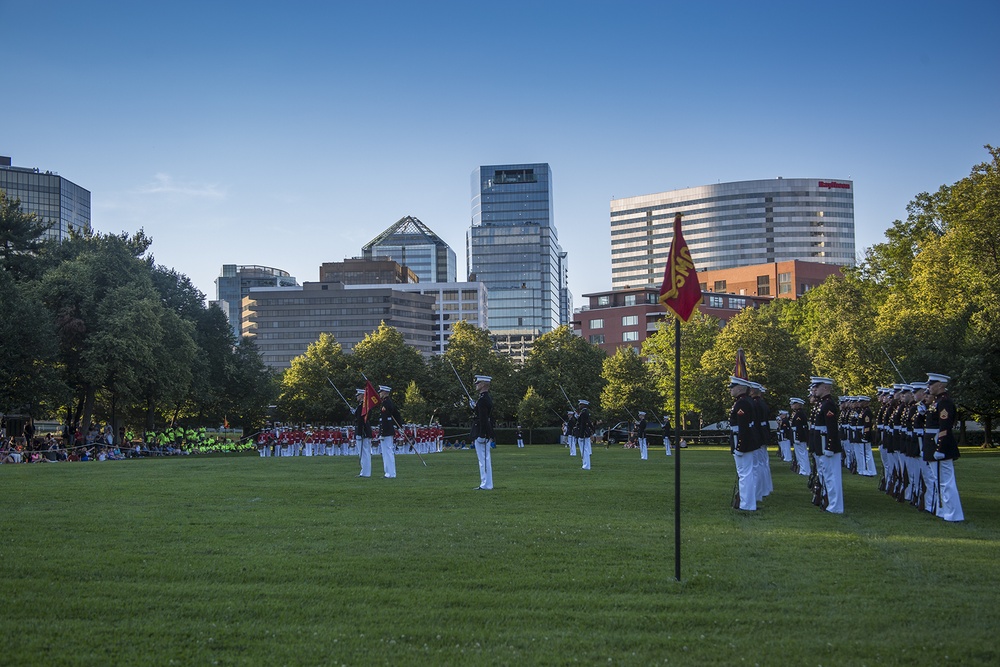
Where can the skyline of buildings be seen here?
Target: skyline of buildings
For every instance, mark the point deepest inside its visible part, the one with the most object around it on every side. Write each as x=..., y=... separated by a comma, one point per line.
x=54, y=199
x=742, y=223
x=235, y=282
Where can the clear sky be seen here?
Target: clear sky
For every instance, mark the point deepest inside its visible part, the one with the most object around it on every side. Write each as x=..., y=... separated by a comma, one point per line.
x=289, y=134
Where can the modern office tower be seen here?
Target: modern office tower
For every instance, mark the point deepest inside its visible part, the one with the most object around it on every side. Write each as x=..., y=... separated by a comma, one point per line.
x=56, y=201
x=730, y=225
x=361, y=271
x=513, y=248
x=235, y=283
x=412, y=244
x=453, y=302
x=284, y=321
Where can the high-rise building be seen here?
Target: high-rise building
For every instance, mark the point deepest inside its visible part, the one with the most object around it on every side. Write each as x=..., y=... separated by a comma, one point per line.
x=513, y=248
x=361, y=271
x=729, y=225
x=235, y=283
x=412, y=244
x=56, y=201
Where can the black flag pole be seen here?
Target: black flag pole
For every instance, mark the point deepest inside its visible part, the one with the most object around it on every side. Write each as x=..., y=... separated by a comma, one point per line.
x=677, y=448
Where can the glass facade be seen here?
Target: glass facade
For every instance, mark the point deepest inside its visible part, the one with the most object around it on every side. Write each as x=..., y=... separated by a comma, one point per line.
x=513, y=248
x=56, y=201
x=729, y=225
x=412, y=244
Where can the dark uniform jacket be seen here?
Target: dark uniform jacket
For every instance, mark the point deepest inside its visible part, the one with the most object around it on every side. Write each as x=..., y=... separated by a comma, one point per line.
x=571, y=426
x=583, y=428
x=945, y=409
x=640, y=428
x=800, y=425
x=745, y=437
x=482, y=417
x=761, y=417
x=929, y=441
x=362, y=429
x=388, y=418
x=826, y=426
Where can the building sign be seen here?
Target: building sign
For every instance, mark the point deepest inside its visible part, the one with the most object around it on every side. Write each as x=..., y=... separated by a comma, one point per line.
x=834, y=184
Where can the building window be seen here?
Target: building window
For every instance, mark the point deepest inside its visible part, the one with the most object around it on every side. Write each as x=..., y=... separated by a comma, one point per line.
x=597, y=324
x=630, y=299
x=737, y=303
x=630, y=320
x=652, y=297
x=720, y=286
x=763, y=285
x=784, y=283
x=597, y=339
x=604, y=300
x=629, y=336
x=715, y=302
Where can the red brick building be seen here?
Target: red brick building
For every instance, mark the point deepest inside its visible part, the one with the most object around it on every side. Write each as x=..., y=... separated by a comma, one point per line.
x=786, y=280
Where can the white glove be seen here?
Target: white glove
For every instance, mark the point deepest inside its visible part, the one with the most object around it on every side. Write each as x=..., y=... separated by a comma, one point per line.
x=472, y=404
x=827, y=452
x=938, y=455
x=737, y=452
x=921, y=408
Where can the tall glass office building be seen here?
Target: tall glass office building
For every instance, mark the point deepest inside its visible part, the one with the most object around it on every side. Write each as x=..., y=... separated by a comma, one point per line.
x=730, y=225
x=56, y=201
x=412, y=244
x=513, y=249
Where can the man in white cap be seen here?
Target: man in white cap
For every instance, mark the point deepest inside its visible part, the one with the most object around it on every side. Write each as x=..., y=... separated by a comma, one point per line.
x=743, y=443
x=949, y=506
x=482, y=430
x=389, y=417
x=583, y=431
x=831, y=452
x=800, y=435
x=640, y=433
x=363, y=434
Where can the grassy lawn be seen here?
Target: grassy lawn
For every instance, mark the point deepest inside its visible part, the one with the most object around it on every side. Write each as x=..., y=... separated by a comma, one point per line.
x=242, y=560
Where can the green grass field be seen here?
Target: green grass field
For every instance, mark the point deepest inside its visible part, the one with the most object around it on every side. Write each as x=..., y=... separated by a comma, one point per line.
x=242, y=560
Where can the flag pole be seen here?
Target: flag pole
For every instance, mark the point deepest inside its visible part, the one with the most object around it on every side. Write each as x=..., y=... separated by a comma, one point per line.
x=677, y=448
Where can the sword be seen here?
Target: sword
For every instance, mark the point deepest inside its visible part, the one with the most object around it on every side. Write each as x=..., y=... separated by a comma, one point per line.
x=349, y=407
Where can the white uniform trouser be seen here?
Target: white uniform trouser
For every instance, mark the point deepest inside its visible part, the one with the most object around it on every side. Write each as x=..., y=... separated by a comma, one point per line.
x=761, y=472
x=747, y=483
x=365, y=445
x=801, y=456
x=485, y=463
x=932, y=494
x=666, y=444
x=585, y=452
x=572, y=444
x=950, y=507
x=866, y=460
x=786, y=450
x=388, y=456
x=643, y=449
x=520, y=442
x=833, y=481
x=913, y=465
x=264, y=451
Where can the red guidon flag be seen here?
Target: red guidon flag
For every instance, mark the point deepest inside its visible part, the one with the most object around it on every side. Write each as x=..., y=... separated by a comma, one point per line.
x=371, y=398
x=740, y=368
x=680, y=292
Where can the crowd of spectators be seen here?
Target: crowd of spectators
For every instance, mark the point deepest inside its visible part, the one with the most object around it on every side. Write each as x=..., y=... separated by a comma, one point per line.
x=98, y=444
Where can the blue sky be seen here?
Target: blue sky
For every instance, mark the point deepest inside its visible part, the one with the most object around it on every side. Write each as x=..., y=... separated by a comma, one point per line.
x=290, y=134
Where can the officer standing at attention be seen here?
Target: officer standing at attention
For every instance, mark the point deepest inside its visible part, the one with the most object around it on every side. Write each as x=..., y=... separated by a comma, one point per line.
x=826, y=425
x=388, y=418
x=640, y=433
x=583, y=431
x=946, y=451
x=363, y=435
x=571, y=432
x=482, y=430
x=800, y=435
x=743, y=442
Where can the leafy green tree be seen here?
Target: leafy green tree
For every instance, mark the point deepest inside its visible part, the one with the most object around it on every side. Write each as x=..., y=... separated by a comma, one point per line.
x=385, y=359
x=28, y=375
x=252, y=389
x=20, y=239
x=415, y=410
x=561, y=361
x=471, y=352
x=531, y=412
x=774, y=358
x=306, y=393
x=629, y=386
x=697, y=336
